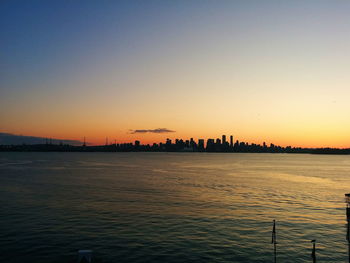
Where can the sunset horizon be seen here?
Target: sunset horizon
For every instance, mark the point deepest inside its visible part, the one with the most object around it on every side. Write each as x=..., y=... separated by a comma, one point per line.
x=260, y=70
x=160, y=137
x=177, y=131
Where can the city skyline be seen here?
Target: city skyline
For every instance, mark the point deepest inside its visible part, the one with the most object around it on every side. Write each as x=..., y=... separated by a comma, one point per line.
x=221, y=144
x=17, y=139
x=210, y=145
x=267, y=70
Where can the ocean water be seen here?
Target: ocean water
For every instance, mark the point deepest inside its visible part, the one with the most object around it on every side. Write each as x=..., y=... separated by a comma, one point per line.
x=172, y=207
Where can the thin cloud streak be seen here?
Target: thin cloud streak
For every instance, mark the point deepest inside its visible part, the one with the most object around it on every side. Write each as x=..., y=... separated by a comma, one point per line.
x=158, y=130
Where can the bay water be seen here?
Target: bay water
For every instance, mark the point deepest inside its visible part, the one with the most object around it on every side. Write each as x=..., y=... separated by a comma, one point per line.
x=172, y=207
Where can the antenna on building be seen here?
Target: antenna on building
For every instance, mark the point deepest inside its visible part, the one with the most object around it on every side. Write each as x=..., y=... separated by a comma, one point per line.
x=84, y=142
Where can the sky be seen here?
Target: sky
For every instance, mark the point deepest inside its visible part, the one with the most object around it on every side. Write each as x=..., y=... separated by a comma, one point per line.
x=262, y=71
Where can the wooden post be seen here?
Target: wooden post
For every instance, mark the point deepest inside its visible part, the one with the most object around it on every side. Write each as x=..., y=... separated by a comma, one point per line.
x=313, y=253
x=274, y=242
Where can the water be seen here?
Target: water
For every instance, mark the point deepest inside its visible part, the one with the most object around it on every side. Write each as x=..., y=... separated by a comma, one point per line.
x=172, y=207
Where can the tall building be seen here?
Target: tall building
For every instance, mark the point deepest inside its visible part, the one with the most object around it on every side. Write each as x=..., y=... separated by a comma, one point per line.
x=191, y=142
x=201, y=144
x=231, y=141
x=223, y=139
x=210, y=144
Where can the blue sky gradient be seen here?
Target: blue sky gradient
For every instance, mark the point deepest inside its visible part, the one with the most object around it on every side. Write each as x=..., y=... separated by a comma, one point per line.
x=201, y=68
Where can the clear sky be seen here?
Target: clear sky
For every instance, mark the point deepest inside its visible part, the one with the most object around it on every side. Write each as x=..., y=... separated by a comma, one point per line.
x=274, y=71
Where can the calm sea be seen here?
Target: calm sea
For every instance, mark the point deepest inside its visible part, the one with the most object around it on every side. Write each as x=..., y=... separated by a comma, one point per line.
x=172, y=207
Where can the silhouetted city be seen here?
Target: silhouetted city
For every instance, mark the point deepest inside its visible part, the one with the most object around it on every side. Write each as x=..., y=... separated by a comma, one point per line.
x=217, y=145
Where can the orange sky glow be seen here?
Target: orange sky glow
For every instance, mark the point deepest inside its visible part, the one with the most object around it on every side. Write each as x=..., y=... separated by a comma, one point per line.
x=258, y=71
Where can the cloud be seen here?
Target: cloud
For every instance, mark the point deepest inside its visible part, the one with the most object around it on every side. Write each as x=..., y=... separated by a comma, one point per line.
x=14, y=139
x=158, y=130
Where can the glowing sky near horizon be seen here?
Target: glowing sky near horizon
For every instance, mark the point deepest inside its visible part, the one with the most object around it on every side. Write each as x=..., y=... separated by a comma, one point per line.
x=274, y=71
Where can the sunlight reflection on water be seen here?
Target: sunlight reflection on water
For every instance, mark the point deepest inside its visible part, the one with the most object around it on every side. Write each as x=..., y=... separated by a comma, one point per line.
x=178, y=207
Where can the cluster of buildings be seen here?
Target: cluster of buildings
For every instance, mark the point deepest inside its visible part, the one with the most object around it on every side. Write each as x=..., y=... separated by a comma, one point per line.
x=179, y=145
x=193, y=146
x=211, y=145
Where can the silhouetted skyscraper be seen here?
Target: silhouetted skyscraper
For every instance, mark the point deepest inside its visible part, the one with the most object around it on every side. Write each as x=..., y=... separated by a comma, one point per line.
x=201, y=144
x=210, y=144
x=231, y=141
x=223, y=139
x=191, y=142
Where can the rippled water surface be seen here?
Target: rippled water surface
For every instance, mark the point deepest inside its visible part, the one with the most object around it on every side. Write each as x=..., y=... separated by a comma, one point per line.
x=172, y=207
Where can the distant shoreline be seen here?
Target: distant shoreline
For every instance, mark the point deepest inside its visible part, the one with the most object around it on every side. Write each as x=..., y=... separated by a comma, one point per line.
x=165, y=148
